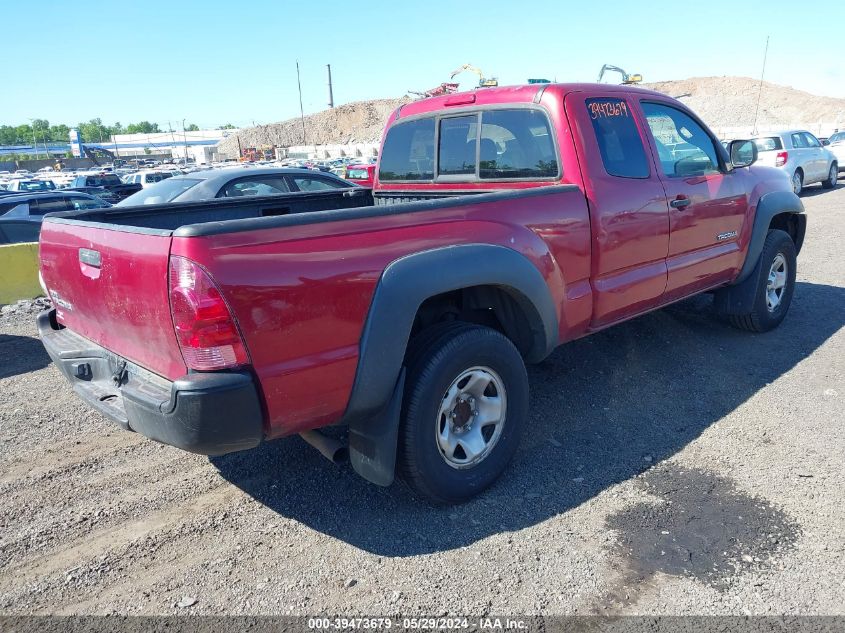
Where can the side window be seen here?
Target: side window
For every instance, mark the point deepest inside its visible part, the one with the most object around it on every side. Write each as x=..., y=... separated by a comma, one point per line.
x=619, y=140
x=456, y=151
x=516, y=144
x=308, y=183
x=811, y=140
x=86, y=203
x=49, y=205
x=408, y=152
x=684, y=148
x=798, y=141
x=258, y=186
x=21, y=231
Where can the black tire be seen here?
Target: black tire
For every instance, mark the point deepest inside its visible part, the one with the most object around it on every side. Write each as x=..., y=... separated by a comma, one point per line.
x=435, y=360
x=798, y=182
x=832, y=176
x=762, y=318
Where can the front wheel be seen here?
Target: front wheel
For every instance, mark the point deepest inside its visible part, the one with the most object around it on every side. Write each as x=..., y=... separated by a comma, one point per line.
x=775, y=285
x=465, y=405
x=830, y=182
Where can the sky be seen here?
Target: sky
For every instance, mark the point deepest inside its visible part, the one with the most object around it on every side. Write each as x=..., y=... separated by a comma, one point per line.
x=214, y=62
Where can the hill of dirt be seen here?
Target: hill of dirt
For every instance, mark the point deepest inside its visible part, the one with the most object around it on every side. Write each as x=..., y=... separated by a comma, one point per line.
x=725, y=104
x=357, y=122
x=730, y=102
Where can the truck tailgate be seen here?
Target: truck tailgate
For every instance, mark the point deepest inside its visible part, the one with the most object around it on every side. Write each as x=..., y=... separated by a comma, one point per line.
x=111, y=286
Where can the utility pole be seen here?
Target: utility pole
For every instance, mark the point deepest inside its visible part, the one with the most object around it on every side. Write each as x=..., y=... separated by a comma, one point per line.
x=185, y=138
x=301, y=111
x=760, y=91
x=172, y=137
x=34, y=141
x=331, y=96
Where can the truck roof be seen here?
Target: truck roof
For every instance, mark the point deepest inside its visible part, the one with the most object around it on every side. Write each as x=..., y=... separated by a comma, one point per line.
x=527, y=93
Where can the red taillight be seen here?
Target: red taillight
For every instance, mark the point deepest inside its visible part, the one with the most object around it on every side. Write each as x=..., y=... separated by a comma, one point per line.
x=206, y=332
x=781, y=158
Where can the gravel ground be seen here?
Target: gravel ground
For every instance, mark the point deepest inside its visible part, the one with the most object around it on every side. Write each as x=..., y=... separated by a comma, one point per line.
x=674, y=466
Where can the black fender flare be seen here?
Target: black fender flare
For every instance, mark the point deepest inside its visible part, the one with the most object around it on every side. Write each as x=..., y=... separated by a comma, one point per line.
x=738, y=298
x=372, y=413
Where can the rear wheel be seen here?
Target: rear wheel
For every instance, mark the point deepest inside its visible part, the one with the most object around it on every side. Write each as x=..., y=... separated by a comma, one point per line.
x=797, y=181
x=830, y=182
x=465, y=405
x=775, y=285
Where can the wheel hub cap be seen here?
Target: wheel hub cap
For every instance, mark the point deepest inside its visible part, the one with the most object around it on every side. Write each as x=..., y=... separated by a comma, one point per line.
x=776, y=283
x=471, y=417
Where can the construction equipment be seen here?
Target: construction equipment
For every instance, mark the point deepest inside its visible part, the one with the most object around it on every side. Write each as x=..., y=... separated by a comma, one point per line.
x=482, y=81
x=97, y=154
x=442, y=89
x=626, y=78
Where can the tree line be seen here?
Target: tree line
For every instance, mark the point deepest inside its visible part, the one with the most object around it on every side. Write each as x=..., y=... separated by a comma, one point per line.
x=94, y=131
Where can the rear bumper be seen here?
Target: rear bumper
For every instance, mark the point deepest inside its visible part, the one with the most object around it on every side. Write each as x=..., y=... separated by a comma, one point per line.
x=209, y=413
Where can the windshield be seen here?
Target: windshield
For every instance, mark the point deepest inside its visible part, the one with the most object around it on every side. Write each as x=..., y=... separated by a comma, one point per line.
x=159, y=193
x=358, y=174
x=768, y=144
x=36, y=185
x=839, y=137
x=103, y=181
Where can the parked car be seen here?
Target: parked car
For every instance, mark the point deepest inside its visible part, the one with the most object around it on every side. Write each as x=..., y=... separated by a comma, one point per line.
x=148, y=178
x=836, y=145
x=801, y=156
x=235, y=182
x=503, y=223
x=107, y=186
x=21, y=213
x=29, y=186
x=362, y=175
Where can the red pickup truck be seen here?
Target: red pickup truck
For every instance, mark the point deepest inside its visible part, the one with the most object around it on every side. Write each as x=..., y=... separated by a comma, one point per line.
x=503, y=223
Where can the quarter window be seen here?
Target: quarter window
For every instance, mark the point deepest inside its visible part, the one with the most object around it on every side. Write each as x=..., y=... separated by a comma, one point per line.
x=307, y=183
x=683, y=147
x=620, y=144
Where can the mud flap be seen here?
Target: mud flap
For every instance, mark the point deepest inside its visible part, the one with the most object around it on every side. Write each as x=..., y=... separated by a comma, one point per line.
x=738, y=299
x=373, y=442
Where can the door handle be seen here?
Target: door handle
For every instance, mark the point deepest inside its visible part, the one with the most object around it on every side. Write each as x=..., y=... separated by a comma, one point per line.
x=680, y=202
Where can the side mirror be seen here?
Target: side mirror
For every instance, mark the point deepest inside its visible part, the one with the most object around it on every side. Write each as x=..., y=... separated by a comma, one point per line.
x=825, y=142
x=742, y=153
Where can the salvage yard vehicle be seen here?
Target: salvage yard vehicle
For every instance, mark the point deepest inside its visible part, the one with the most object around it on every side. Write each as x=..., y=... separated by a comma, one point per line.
x=21, y=214
x=836, y=145
x=234, y=182
x=106, y=186
x=801, y=155
x=503, y=222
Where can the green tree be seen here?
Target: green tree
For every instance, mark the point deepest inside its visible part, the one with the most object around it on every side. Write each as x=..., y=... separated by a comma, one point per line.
x=227, y=126
x=143, y=127
x=193, y=127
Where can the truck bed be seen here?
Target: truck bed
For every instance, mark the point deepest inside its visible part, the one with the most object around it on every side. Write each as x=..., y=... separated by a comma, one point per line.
x=298, y=273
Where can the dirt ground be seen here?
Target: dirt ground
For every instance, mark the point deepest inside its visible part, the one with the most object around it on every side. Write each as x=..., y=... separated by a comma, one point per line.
x=673, y=465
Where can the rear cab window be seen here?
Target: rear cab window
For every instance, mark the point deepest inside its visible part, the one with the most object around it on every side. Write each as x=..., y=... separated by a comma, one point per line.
x=493, y=144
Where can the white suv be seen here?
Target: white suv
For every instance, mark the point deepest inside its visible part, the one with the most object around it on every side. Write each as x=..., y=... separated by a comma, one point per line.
x=799, y=154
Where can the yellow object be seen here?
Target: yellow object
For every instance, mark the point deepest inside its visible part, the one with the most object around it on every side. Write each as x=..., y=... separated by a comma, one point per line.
x=19, y=272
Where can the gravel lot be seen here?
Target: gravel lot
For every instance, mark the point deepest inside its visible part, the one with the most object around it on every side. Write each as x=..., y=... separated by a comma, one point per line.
x=674, y=466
